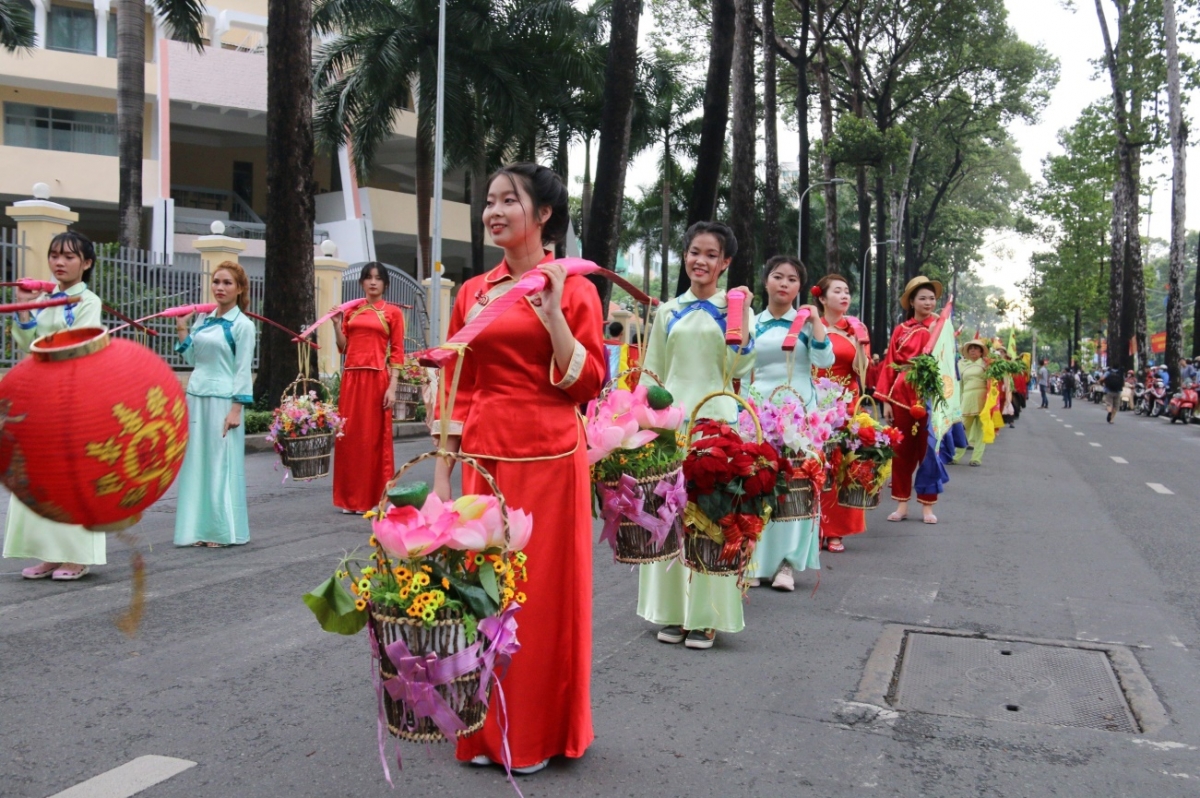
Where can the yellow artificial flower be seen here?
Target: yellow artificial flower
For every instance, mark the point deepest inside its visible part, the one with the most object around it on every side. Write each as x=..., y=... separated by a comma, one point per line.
x=360, y=604
x=372, y=542
x=423, y=579
x=480, y=559
x=404, y=593
x=445, y=583
x=499, y=567
x=520, y=597
x=413, y=611
x=426, y=569
x=521, y=558
x=368, y=571
x=354, y=588
x=364, y=584
x=402, y=573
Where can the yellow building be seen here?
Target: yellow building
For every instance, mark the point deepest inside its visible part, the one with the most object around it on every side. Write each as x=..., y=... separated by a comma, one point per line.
x=205, y=141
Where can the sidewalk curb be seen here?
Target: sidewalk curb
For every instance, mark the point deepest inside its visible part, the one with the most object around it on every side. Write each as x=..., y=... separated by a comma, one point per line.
x=405, y=430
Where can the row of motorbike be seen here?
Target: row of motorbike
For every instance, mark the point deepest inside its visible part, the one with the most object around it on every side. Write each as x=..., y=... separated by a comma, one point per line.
x=1154, y=400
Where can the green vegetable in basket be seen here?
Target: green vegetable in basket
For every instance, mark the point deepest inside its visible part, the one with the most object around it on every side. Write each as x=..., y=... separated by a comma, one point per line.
x=334, y=607
x=409, y=494
x=659, y=398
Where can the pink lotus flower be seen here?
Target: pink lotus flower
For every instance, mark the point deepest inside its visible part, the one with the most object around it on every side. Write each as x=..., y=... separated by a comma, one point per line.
x=406, y=532
x=520, y=529
x=611, y=425
x=478, y=526
x=669, y=418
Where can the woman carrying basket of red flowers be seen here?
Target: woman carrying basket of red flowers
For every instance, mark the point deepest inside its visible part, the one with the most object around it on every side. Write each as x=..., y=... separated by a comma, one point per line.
x=538, y=362
x=851, y=361
x=904, y=407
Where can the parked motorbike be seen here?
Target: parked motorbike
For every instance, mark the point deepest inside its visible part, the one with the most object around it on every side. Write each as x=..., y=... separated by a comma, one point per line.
x=1139, y=399
x=1157, y=399
x=1183, y=404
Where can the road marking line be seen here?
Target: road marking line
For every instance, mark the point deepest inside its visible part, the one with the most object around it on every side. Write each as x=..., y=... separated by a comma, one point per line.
x=1078, y=433
x=1158, y=487
x=128, y=779
x=1120, y=460
x=1066, y=426
x=1093, y=443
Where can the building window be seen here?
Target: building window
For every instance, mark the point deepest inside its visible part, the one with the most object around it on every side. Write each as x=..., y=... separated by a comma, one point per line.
x=59, y=129
x=112, y=35
x=71, y=29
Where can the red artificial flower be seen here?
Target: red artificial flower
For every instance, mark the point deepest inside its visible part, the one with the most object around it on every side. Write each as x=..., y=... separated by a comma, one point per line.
x=862, y=472
x=894, y=435
x=866, y=434
x=815, y=290
x=835, y=460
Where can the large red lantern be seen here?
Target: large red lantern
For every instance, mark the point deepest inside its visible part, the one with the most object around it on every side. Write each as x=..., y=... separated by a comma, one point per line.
x=92, y=429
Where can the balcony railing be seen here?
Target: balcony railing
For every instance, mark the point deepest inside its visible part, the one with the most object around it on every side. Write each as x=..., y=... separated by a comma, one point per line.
x=215, y=199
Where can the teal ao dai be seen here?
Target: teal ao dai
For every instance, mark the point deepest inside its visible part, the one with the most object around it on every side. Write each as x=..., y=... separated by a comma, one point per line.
x=796, y=542
x=212, y=481
x=27, y=534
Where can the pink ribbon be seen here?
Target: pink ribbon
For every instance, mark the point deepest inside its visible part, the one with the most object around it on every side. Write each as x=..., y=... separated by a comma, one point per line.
x=501, y=633
x=417, y=679
x=674, y=495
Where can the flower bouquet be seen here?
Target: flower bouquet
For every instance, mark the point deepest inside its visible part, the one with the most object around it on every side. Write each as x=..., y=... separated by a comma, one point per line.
x=411, y=383
x=801, y=435
x=438, y=595
x=303, y=429
x=635, y=455
x=862, y=460
x=733, y=488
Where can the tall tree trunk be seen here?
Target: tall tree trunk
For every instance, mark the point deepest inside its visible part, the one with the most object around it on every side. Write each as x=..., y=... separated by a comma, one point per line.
x=1118, y=344
x=770, y=139
x=562, y=168
x=665, y=237
x=289, y=299
x=864, y=245
x=131, y=109
x=620, y=82
x=1077, y=332
x=1178, y=197
x=478, y=200
x=707, y=178
x=424, y=192
x=741, y=190
x=882, y=328
x=586, y=200
x=832, y=255
x=805, y=226
x=1196, y=307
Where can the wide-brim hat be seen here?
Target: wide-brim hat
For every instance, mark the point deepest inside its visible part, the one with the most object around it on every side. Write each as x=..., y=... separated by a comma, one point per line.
x=975, y=342
x=920, y=281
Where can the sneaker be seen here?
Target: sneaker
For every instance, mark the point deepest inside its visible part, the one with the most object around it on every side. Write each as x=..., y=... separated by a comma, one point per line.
x=671, y=634
x=529, y=771
x=1110, y=414
x=784, y=579
x=701, y=638
x=481, y=761
x=755, y=582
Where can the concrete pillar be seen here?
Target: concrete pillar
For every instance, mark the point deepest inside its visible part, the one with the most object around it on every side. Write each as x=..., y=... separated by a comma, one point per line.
x=38, y=221
x=40, y=22
x=328, y=271
x=103, y=7
x=444, y=305
x=214, y=250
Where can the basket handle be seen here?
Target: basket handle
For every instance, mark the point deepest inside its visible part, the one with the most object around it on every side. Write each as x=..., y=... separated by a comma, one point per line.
x=612, y=384
x=293, y=388
x=787, y=388
x=858, y=403
x=758, y=430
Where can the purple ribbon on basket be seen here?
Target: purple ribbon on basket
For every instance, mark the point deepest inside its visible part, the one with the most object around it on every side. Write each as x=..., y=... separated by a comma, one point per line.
x=417, y=679
x=626, y=501
x=674, y=496
x=501, y=633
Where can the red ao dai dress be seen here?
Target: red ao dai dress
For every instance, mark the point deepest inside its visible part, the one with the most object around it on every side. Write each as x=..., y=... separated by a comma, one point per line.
x=518, y=416
x=908, y=340
x=850, y=358
x=363, y=459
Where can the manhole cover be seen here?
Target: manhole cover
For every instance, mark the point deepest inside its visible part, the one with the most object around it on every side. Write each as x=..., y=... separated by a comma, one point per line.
x=1007, y=680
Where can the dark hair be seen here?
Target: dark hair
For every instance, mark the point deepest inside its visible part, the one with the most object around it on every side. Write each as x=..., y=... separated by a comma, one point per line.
x=76, y=243
x=615, y=328
x=824, y=283
x=785, y=260
x=377, y=267
x=546, y=189
x=729, y=244
x=240, y=280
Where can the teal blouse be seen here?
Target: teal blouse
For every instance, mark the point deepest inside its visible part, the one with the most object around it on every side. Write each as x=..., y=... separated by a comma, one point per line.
x=221, y=348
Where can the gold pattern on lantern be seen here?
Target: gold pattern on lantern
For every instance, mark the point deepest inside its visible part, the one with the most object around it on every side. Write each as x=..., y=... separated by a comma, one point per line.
x=151, y=442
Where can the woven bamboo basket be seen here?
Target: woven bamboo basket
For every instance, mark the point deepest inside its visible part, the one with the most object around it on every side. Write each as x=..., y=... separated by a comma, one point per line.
x=856, y=496
x=408, y=396
x=306, y=456
x=800, y=501
x=445, y=638
x=701, y=553
x=635, y=544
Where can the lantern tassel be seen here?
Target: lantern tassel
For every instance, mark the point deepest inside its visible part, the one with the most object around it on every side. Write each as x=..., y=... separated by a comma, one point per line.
x=131, y=620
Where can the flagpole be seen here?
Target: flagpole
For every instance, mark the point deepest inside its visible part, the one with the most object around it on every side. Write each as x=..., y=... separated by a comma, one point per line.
x=435, y=282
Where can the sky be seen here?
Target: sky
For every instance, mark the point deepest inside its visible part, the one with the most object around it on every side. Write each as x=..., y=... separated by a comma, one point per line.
x=1074, y=38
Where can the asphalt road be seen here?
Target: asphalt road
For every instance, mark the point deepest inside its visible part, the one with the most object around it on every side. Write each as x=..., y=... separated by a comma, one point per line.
x=1052, y=539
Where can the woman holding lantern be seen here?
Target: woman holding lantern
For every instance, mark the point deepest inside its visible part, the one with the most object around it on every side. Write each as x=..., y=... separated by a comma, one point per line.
x=67, y=551
x=851, y=361
x=787, y=546
x=211, y=510
x=539, y=361
x=903, y=407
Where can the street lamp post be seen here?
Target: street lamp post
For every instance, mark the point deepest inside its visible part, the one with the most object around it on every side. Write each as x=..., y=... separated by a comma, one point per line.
x=862, y=273
x=800, y=225
x=435, y=281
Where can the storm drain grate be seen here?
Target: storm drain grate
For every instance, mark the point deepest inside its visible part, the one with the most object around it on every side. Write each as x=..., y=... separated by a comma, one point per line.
x=1007, y=680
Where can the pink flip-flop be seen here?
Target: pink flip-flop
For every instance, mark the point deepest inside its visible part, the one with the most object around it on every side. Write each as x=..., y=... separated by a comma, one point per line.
x=39, y=571
x=897, y=517
x=929, y=519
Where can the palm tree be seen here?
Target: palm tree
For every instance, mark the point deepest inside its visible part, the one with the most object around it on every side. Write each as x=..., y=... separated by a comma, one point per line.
x=185, y=20
x=16, y=27
x=290, y=190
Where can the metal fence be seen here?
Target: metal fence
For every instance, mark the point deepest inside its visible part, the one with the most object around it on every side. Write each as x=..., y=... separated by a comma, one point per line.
x=403, y=290
x=12, y=267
